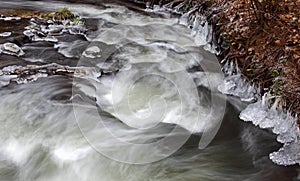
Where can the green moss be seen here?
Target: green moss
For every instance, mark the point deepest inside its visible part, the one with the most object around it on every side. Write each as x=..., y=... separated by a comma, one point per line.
x=254, y=71
x=63, y=14
x=276, y=73
x=26, y=14
x=77, y=21
x=277, y=87
x=186, y=7
x=47, y=15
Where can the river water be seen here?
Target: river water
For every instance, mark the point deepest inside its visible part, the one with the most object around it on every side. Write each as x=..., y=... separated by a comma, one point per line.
x=145, y=82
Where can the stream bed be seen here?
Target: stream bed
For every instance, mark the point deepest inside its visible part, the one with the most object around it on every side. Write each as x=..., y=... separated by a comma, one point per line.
x=145, y=105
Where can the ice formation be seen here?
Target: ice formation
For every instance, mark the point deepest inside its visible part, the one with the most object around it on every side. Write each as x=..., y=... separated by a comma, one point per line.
x=201, y=30
x=236, y=85
x=38, y=32
x=260, y=114
x=282, y=124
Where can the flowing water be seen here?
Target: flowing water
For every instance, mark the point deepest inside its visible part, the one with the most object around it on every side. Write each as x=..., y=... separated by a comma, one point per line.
x=146, y=80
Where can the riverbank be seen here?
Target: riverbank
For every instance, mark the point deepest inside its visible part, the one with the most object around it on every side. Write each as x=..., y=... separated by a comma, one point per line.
x=262, y=38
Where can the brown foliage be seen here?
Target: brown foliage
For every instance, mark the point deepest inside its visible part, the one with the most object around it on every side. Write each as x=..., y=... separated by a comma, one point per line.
x=265, y=34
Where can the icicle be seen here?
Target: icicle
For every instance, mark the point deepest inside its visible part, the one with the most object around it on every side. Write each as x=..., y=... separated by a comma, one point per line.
x=281, y=123
x=235, y=84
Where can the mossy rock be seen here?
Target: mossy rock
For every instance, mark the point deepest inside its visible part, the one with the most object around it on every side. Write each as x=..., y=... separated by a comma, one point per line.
x=63, y=14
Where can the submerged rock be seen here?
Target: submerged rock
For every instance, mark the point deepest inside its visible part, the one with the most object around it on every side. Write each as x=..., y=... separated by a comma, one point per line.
x=72, y=49
x=5, y=75
x=12, y=49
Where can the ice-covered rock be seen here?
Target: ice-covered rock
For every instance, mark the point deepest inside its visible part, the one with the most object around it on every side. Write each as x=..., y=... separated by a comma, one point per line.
x=42, y=30
x=47, y=38
x=5, y=79
x=5, y=76
x=12, y=49
x=30, y=78
x=53, y=29
x=31, y=73
x=5, y=34
x=77, y=30
x=281, y=123
x=10, y=18
x=92, y=52
x=10, y=69
x=30, y=33
x=40, y=35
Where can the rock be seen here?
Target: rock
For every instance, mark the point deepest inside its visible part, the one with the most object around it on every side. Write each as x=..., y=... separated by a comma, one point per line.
x=92, y=52
x=10, y=18
x=50, y=22
x=5, y=34
x=73, y=30
x=48, y=39
x=29, y=33
x=55, y=29
x=12, y=49
x=5, y=79
x=55, y=32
